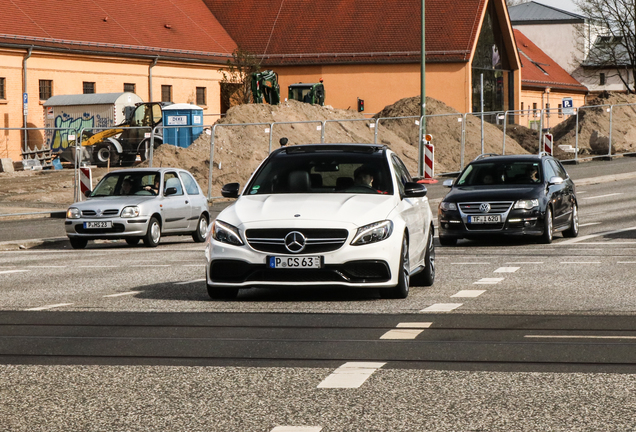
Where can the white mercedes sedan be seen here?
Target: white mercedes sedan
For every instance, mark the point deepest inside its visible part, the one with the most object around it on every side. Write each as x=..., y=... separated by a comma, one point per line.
x=324, y=214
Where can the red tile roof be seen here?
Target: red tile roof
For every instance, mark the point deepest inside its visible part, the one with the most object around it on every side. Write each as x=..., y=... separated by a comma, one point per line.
x=180, y=29
x=540, y=71
x=350, y=31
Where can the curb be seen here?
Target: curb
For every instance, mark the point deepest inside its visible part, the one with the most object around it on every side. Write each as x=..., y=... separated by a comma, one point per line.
x=13, y=245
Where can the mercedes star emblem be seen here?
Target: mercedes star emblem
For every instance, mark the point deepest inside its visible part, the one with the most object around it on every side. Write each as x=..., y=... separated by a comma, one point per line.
x=295, y=242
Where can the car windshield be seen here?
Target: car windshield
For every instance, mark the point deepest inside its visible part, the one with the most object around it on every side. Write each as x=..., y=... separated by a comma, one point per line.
x=323, y=172
x=501, y=173
x=126, y=183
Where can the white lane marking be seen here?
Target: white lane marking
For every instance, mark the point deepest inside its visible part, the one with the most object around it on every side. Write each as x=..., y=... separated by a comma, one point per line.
x=580, y=262
x=626, y=262
x=98, y=266
x=401, y=334
x=470, y=263
x=189, y=282
x=580, y=192
x=488, y=281
x=583, y=249
x=151, y=265
x=603, y=196
x=350, y=375
x=589, y=224
x=193, y=265
x=48, y=266
x=506, y=269
x=526, y=262
x=413, y=325
x=12, y=271
x=586, y=237
x=469, y=293
x=578, y=337
x=297, y=429
x=442, y=307
x=49, y=307
x=123, y=294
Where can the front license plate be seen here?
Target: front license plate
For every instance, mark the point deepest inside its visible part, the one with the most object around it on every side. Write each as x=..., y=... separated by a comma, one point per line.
x=277, y=262
x=100, y=224
x=484, y=219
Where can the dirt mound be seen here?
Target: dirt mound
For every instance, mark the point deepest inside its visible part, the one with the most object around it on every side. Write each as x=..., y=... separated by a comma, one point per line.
x=594, y=126
x=239, y=149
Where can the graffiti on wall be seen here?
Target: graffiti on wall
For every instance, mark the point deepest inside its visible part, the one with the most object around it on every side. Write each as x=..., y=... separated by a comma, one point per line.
x=66, y=125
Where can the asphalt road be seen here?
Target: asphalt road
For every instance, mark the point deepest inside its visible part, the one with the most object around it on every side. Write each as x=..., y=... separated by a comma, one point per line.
x=513, y=335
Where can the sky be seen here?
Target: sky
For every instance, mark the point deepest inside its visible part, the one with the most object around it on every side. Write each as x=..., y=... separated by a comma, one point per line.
x=566, y=5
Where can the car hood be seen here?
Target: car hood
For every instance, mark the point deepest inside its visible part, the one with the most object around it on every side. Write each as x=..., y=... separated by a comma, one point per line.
x=494, y=193
x=357, y=209
x=112, y=202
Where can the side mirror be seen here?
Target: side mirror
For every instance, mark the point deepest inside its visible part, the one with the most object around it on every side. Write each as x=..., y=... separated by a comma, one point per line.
x=448, y=183
x=556, y=180
x=170, y=191
x=87, y=193
x=230, y=190
x=414, y=190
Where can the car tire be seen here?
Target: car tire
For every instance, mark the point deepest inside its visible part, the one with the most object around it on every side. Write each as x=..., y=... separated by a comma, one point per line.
x=132, y=241
x=103, y=152
x=202, y=229
x=217, y=293
x=401, y=290
x=447, y=241
x=153, y=235
x=548, y=224
x=78, y=243
x=573, y=231
x=427, y=276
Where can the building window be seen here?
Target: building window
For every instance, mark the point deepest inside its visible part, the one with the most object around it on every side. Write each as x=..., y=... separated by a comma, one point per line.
x=522, y=113
x=201, y=93
x=3, y=86
x=601, y=79
x=560, y=111
x=534, y=109
x=46, y=89
x=166, y=93
x=88, y=87
x=129, y=87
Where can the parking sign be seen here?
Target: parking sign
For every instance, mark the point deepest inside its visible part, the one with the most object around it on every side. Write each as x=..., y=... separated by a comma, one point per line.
x=568, y=106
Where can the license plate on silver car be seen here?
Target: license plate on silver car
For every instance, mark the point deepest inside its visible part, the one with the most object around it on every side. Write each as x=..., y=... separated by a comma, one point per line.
x=484, y=219
x=304, y=262
x=100, y=224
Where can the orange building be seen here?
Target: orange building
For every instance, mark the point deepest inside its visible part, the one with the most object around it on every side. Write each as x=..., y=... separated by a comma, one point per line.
x=175, y=51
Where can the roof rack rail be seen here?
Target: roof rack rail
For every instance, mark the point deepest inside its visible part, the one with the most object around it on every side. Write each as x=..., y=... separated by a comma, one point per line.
x=485, y=155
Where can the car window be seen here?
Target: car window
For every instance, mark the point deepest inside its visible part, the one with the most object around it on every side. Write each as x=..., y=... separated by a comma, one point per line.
x=558, y=168
x=402, y=175
x=170, y=179
x=323, y=172
x=500, y=173
x=190, y=184
x=124, y=183
x=549, y=170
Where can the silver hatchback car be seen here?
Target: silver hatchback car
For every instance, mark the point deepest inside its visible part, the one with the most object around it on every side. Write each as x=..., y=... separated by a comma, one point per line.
x=140, y=204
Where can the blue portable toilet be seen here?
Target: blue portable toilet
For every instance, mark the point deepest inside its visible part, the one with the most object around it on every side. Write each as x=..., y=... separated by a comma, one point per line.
x=186, y=115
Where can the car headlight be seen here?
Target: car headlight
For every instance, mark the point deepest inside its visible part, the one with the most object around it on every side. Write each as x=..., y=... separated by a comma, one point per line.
x=526, y=204
x=373, y=233
x=130, y=212
x=73, y=213
x=226, y=233
x=447, y=206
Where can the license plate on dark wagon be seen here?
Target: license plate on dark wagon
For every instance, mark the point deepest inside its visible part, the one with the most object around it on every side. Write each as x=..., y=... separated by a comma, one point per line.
x=100, y=224
x=287, y=262
x=484, y=219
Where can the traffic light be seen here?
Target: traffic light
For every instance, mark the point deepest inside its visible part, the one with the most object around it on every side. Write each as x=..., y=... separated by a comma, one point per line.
x=360, y=105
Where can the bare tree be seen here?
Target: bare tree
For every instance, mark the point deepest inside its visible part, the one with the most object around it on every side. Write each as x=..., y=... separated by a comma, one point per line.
x=236, y=81
x=614, y=51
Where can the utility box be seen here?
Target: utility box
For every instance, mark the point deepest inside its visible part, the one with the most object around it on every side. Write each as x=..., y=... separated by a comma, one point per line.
x=183, y=123
x=72, y=113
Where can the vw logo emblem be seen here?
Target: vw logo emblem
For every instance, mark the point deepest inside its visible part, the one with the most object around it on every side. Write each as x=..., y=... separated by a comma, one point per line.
x=295, y=242
x=484, y=207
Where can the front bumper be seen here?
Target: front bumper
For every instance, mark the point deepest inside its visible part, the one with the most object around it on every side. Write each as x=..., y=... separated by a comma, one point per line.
x=517, y=222
x=375, y=265
x=121, y=228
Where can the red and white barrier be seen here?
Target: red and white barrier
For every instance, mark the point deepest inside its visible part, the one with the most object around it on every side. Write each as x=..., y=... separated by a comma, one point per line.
x=429, y=161
x=547, y=143
x=86, y=179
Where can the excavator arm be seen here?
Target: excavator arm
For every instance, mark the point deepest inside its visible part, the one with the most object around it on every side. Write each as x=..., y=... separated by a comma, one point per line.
x=101, y=136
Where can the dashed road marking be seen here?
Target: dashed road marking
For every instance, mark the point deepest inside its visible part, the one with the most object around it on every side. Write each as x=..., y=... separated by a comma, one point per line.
x=590, y=236
x=589, y=224
x=48, y=266
x=506, y=269
x=297, y=429
x=151, y=265
x=12, y=271
x=442, y=307
x=123, y=294
x=604, y=196
x=414, y=325
x=488, y=281
x=406, y=330
x=350, y=375
x=526, y=262
x=193, y=265
x=98, y=266
x=580, y=262
x=49, y=307
x=470, y=263
x=469, y=293
x=189, y=282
